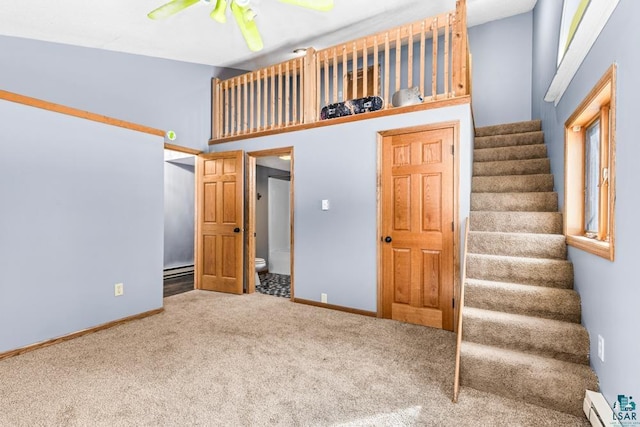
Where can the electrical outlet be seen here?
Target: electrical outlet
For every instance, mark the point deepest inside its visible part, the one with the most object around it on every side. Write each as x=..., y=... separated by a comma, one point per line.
x=323, y=298
x=118, y=289
x=601, y=348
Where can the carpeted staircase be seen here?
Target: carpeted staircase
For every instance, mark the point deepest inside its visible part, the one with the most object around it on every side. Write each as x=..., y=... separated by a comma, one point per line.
x=521, y=334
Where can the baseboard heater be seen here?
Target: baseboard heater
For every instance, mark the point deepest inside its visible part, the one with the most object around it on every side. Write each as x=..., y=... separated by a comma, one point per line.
x=598, y=411
x=173, y=272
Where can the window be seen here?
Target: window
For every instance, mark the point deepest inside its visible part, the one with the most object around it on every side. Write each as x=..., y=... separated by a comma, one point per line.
x=590, y=170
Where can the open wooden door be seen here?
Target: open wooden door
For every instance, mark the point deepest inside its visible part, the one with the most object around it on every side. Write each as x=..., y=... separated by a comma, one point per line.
x=417, y=228
x=220, y=222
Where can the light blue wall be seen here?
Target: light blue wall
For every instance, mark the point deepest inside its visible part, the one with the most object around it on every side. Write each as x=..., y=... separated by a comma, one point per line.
x=179, y=214
x=81, y=210
x=335, y=250
x=610, y=291
x=501, y=57
x=150, y=91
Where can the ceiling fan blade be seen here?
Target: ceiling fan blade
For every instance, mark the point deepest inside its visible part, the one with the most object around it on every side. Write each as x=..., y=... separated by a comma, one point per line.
x=171, y=8
x=247, y=27
x=219, y=13
x=321, y=5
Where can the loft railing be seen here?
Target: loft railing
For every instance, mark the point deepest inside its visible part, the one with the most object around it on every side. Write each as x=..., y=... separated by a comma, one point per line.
x=431, y=54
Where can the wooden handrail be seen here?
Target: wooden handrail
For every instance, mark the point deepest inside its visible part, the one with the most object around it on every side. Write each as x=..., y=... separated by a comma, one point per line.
x=456, y=381
x=294, y=92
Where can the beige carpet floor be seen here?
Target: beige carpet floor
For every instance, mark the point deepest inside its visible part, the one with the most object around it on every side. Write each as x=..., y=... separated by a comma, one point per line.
x=254, y=360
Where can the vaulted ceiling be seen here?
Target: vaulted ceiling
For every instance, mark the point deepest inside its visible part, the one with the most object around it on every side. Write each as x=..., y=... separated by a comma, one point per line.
x=192, y=36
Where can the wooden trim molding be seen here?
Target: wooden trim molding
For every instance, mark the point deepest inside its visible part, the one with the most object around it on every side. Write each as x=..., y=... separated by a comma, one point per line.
x=78, y=334
x=336, y=307
x=62, y=109
x=599, y=103
x=182, y=149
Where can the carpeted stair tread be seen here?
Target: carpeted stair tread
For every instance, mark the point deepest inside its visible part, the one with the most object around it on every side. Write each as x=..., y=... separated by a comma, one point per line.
x=507, y=128
x=512, y=167
x=516, y=222
x=509, y=140
x=530, y=300
x=542, y=381
x=512, y=183
x=520, y=152
x=531, y=245
x=527, y=271
x=520, y=202
x=534, y=335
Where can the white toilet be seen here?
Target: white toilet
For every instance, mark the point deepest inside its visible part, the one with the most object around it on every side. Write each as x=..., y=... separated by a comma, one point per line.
x=261, y=265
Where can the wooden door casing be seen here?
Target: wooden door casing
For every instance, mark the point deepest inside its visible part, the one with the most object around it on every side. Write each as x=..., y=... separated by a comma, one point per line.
x=220, y=221
x=417, y=214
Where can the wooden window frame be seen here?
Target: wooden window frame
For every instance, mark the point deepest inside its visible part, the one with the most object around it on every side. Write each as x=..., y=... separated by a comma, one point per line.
x=599, y=104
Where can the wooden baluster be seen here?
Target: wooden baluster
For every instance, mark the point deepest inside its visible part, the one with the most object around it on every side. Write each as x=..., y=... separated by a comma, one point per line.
x=354, y=73
x=364, y=67
x=215, y=112
x=410, y=58
x=294, y=92
x=259, y=100
x=227, y=128
x=287, y=94
x=279, y=79
x=326, y=78
x=422, y=56
x=233, y=107
x=334, y=98
x=318, y=61
x=345, y=73
x=303, y=76
x=252, y=101
x=245, y=119
x=375, y=67
x=265, y=99
x=272, y=124
x=387, y=69
x=446, y=55
x=398, y=60
x=238, y=105
x=434, y=74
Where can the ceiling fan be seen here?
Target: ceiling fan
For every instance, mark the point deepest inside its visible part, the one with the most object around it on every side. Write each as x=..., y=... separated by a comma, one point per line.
x=241, y=10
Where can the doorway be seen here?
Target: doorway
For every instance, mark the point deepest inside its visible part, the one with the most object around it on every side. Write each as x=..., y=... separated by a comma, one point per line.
x=179, y=224
x=270, y=222
x=417, y=223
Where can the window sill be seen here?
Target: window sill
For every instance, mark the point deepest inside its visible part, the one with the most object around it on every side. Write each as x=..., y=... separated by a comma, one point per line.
x=595, y=247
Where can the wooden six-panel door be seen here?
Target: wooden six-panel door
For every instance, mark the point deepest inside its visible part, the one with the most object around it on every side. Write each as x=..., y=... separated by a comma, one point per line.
x=220, y=219
x=417, y=235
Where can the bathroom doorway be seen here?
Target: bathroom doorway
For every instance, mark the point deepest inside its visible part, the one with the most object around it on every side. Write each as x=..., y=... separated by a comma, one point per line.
x=270, y=222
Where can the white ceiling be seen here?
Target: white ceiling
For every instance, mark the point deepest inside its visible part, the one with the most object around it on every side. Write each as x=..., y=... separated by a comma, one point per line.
x=191, y=36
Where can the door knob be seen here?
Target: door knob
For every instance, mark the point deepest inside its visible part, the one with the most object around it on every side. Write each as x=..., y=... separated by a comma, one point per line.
x=236, y=230
x=388, y=239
